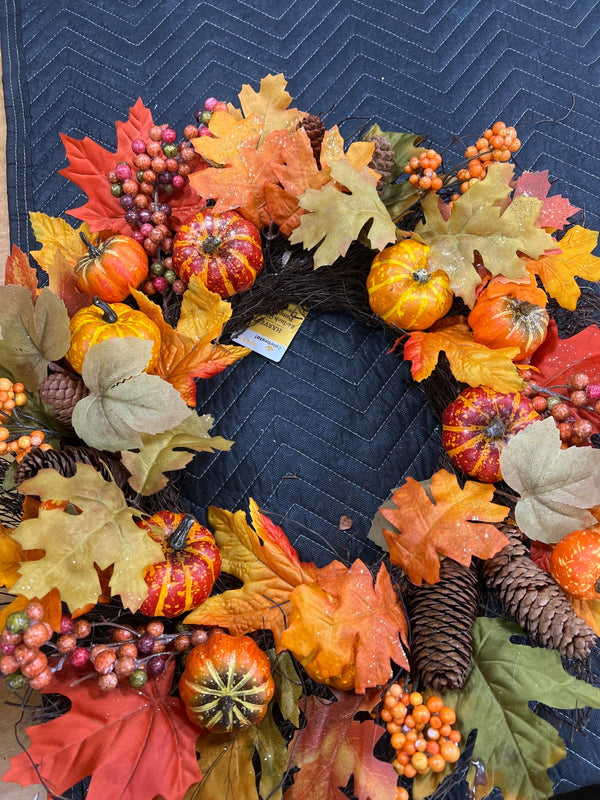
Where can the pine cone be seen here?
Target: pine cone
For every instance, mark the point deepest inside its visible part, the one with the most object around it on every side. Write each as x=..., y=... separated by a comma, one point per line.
x=383, y=160
x=535, y=600
x=441, y=617
x=61, y=392
x=315, y=130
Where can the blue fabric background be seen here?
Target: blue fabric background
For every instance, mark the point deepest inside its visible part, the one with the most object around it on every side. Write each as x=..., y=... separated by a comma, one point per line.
x=338, y=423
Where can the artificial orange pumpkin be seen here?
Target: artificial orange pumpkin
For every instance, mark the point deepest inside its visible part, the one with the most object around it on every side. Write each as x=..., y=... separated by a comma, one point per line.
x=575, y=564
x=403, y=292
x=111, y=269
x=227, y=683
x=222, y=248
x=192, y=564
x=477, y=425
x=100, y=321
x=509, y=314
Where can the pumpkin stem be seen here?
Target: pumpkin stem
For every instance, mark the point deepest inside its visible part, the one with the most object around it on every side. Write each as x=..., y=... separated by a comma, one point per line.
x=210, y=244
x=524, y=307
x=72, y=509
x=179, y=536
x=421, y=275
x=110, y=315
x=495, y=429
x=92, y=249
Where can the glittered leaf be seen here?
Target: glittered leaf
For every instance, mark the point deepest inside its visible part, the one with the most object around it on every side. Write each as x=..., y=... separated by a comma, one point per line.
x=272, y=751
x=516, y=746
x=104, y=533
x=270, y=104
x=557, y=269
x=267, y=564
x=334, y=745
x=124, y=401
x=471, y=363
x=454, y=523
x=170, y=451
x=555, y=210
x=124, y=739
x=556, y=487
x=336, y=218
x=481, y=222
x=31, y=337
x=19, y=272
x=334, y=621
x=358, y=154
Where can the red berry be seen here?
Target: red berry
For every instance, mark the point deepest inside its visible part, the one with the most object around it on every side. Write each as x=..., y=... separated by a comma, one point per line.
x=220, y=106
x=154, y=149
x=121, y=635
x=123, y=171
x=182, y=643
x=24, y=654
x=138, y=146
x=169, y=135
x=8, y=664
x=204, y=132
x=33, y=668
x=66, y=624
x=593, y=391
x=178, y=181
x=8, y=649
x=79, y=656
x=160, y=284
x=190, y=131
x=582, y=429
x=178, y=286
x=139, y=237
x=210, y=103
x=156, y=665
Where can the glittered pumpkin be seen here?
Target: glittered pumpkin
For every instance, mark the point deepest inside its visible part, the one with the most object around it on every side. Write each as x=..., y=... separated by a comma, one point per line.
x=222, y=248
x=111, y=269
x=477, y=425
x=227, y=683
x=575, y=564
x=192, y=564
x=100, y=321
x=403, y=292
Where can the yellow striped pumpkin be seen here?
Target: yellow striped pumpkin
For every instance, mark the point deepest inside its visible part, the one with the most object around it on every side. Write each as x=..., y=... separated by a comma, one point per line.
x=403, y=292
x=222, y=248
x=192, y=564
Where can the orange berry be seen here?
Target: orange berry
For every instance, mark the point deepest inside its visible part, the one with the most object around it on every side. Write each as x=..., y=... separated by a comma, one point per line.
x=505, y=154
x=24, y=442
x=409, y=771
x=401, y=793
x=450, y=751
x=432, y=748
x=425, y=183
x=409, y=748
x=414, y=179
x=485, y=156
x=415, y=699
x=431, y=154
x=436, y=183
x=386, y=715
x=403, y=758
x=4, y=433
x=420, y=762
x=424, y=162
x=498, y=126
x=397, y=741
x=475, y=169
x=433, y=733
x=482, y=144
x=8, y=405
x=398, y=768
x=37, y=437
x=515, y=146
x=409, y=721
x=445, y=730
x=393, y=727
x=421, y=745
x=448, y=714
x=390, y=701
x=488, y=134
x=496, y=155
x=3, y=396
x=510, y=131
x=20, y=398
x=399, y=712
x=434, y=703
x=414, y=163
x=395, y=690
x=408, y=169
x=46, y=446
x=455, y=736
x=411, y=735
x=13, y=446
x=464, y=186
x=497, y=142
x=436, y=762
x=471, y=151
x=5, y=384
x=463, y=174
x=18, y=387
x=421, y=714
x=405, y=698
x=3, y=447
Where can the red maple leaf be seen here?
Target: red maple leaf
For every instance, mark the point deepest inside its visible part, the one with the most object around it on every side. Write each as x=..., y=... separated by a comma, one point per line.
x=129, y=741
x=89, y=164
x=555, y=210
x=557, y=359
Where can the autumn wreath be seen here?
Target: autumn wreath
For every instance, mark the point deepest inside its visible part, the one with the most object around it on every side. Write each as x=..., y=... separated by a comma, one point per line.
x=171, y=639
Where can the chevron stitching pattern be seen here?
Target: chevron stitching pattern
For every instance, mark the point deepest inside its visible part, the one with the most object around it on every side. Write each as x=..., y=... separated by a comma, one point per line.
x=337, y=424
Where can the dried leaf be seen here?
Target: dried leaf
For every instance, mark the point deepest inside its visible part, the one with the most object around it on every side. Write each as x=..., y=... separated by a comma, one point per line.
x=334, y=621
x=31, y=337
x=124, y=739
x=555, y=487
x=480, y=222
x=334, y=745
x=471, y=363
x=270, y=104
x=104, y=533
x=124, y=401
x=267, y=564
x=516, y=746
x=226, y=762
x=452, y=523
x=336, y=219
x=557, y=269
x=555, y=210
x=19, y=272
x=170, y=451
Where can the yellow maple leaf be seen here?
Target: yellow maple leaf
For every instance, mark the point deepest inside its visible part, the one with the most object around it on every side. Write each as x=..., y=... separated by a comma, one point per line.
x=270, y=104
x=228, y=134
x=359, y=154
x=557, y=270
x=55, y=234
x=203, y=313
x=471, y=363
x=11, y=555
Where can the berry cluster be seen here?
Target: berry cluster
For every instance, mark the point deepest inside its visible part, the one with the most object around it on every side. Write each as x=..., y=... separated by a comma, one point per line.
x=21, y=446
x=421, y=171
x=11, y=396
x=23, y=661
x=420, y=731
x=579, y=394
x=498, y=143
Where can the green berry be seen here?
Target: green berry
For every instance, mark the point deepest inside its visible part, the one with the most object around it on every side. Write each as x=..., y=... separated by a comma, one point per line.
x=552, y=401
x=138, y=678
x=170, y=150
x=16, y=681
x=156, y=268
x=17, y=622
x=170, y=275
x=116, y=190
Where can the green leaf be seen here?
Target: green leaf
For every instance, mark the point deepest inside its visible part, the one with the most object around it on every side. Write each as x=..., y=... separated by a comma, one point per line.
x=482, y=220
x=124, y=401
x=31, y=336
x=516, y=746
x=272, y=751
x=335, y=218
x=288, y=686
x=171, y=450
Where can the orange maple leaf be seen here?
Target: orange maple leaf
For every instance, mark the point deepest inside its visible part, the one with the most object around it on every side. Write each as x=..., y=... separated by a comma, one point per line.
x=19, y=272
x=50, y=601
x=443, y=520
x=557, y=269
x=263, y=558
x=471, y=363
x=334, y=622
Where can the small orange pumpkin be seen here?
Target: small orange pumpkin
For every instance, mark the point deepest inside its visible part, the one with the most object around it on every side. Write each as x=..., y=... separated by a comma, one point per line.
x=100, y=321
x=227, y=683
x=111, y=269
x=403, y=292
x=575, y=564
x=192, y=564
x=510, y=314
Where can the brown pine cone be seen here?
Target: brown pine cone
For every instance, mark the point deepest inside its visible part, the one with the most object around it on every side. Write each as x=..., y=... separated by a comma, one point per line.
x=383, y=160
x=315, y=130
x=441, y=617
x=535, y=600
x=61, y=392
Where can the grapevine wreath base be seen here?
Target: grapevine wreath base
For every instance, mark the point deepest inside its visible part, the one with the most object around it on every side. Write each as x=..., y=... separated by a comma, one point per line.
x=180, y=657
